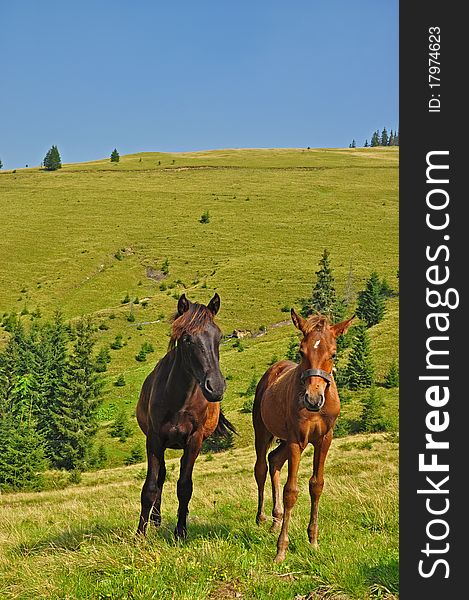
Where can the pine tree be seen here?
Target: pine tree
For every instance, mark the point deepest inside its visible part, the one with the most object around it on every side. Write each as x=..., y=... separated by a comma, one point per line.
x=360, y=372
x=1, y=164
x=391, y=138
x=51, y=364
x=102, y=359
x=366, y=144
x=293, y=353
x=115, y=156
x=371, y=419
x=371, y=303
x=353, y=144
x=21, y=453
x=52, y=160
x=121, y=428
x=375, y=140
x=74, y=417
x=391, y=379
x=323, y=297
x=384, y=137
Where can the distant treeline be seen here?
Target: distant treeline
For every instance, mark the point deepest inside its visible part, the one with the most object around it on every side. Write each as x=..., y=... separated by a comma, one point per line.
x=384, y=138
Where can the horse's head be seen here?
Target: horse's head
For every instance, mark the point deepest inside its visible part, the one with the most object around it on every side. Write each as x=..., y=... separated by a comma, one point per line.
x=198, y=339
x=317, y=351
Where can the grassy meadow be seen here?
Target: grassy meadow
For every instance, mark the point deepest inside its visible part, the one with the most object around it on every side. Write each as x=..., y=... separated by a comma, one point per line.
x=83, y=238
x=79, y=542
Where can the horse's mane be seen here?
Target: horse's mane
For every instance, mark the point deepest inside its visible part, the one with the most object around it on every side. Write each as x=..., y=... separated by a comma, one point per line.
x=193, y=320
x=315, y=322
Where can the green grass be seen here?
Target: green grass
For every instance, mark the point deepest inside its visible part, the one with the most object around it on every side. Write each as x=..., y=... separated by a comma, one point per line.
x=79, y=542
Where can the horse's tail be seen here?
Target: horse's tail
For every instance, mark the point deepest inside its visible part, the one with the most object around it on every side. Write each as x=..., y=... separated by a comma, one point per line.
x=224, y=427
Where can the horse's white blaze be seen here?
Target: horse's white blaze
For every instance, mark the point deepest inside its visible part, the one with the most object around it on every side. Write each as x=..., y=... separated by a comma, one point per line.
x=316, y=344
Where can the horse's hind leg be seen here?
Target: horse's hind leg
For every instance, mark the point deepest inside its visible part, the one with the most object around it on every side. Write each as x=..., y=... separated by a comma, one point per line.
x=316, y=483
x=277, y=459
x=150, y=487
x=262, y=442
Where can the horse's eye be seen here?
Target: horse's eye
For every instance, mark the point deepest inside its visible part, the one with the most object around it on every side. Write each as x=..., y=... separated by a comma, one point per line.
x=301, y=353
x=334, y=355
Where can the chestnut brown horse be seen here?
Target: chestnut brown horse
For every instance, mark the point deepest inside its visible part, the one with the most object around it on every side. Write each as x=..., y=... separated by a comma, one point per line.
x=179, y=406
x=298, y=404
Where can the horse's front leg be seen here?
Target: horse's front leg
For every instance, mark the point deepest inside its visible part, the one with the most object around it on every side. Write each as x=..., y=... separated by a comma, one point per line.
x=184, y=485
x=316, y=484
x=155, y=515
x=290, y=495
x=150, y=487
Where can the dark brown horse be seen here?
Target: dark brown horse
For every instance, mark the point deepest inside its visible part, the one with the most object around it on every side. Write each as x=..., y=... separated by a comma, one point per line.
x=298, y=404
x=179, y=405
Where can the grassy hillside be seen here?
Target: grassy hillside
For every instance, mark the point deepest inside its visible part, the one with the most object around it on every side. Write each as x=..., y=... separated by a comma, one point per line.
x=80, y=239
x=79, y=543
x=83, y=238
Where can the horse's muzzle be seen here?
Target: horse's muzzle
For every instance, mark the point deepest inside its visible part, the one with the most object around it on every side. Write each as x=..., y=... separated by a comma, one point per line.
x=213, y=388
x=313, y=403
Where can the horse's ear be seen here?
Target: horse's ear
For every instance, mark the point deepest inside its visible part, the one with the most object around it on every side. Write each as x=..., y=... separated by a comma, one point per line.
x=183, y=305
x=214, y=304
x=298, y=320
x=341, y=328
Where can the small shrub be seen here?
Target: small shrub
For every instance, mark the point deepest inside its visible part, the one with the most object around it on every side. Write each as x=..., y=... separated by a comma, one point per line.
x=118, y=255
x=126, y=299
x=391, y=379
x=285, y=309
x=135, y=456
x=121, y=428
x=147, y=347
x=248, y=405
x=165, y=267
x=120, y=381
x=273, y=359
x=141, y=356
x=131, y=317
x=344, y=427
x=117, y=344
x=238, y=344
x=103, y=326
x=371, y=419
x=75, y=476
x=216, y=443
x=293, y=349
x=136, y=301
x=205, y=217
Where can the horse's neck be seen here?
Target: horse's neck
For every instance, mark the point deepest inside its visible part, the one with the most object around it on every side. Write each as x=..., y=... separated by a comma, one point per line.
x=180, y=384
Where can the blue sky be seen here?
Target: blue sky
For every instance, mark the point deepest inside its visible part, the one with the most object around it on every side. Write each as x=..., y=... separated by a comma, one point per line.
x=89, y=76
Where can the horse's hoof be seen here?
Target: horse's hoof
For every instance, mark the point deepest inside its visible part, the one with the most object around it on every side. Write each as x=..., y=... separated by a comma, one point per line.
x=261, y=519
x=276, y=525
x=314, y=544
x=280, y=557
x=180, y=534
